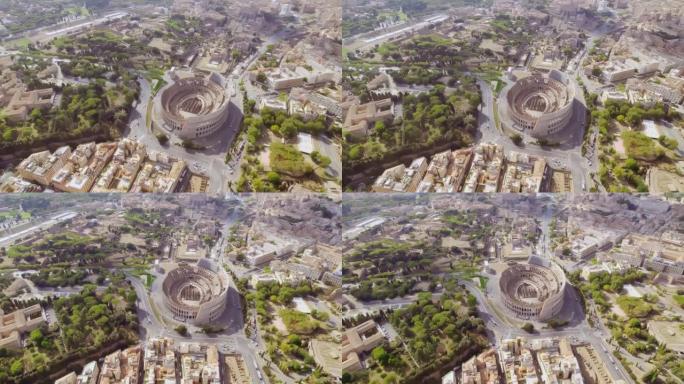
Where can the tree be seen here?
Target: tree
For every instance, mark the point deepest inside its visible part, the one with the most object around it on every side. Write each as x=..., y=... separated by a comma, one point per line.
x=652, y=375
x=36, y=336
x=596, y=71
x=261, y=77
x=162, y=138
x=517, y=139
x=355, y=152
x=380, y=355
x=320, y=159
x=528, y=327
x=668, y=142
x=16, y=368
x=273, y=178
x=289, y=128
x=182, y=330
x=380, y=127
x=36, y=114
x=469, y=121
x=631, y=164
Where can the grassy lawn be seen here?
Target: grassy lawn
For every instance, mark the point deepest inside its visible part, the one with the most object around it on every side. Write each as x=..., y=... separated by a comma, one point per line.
x=20, y=44
x=634, y=307
x=148, y=116
x=149, y=280
x=640, y=146
x=286, y=159
x=679, y=299
x=9, y=214
x=298, y=322
x=158, y=84
x=491, y=75
x=499, y=86
x=496, y=116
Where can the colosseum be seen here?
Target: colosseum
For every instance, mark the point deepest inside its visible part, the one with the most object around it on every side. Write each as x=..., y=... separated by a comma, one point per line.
x=195, y=294
x=533, y=291
x=191, y=106
x=540, y=105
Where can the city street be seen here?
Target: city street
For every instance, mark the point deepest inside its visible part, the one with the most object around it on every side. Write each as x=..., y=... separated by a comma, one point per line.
x=566, y=157
x=581, y=333
x=209, y=161
x=230, y=341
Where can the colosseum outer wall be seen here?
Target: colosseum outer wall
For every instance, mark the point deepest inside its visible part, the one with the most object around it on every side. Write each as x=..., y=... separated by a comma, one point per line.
x=206, y=311
x=543, y=310
x=191, y=126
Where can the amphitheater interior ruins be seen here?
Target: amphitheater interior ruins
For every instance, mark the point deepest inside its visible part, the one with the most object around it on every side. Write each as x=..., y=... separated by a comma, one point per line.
x=533, y=290
x=195, y=294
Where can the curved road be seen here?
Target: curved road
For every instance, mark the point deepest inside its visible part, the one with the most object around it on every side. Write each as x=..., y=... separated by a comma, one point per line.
x=151, y=326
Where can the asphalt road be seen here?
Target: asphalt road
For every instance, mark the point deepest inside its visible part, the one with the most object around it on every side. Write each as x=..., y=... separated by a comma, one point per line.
x=237, y=342
x=209, y=162
x=568, y=157
x=580, y=333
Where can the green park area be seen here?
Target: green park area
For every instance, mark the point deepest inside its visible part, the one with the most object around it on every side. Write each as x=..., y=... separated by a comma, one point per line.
x=433, y=335
x=88, y=324
x=628, y=322
x=274, y=133
x=85, y=111
x=429, y=120
x=287, y=331
x=14, y=214
x=626, y=153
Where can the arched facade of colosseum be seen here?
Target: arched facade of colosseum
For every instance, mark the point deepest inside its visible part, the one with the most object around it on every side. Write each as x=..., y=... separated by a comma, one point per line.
x=195, y=294
x=541, y=105
x=533, y=291
x=192, y=107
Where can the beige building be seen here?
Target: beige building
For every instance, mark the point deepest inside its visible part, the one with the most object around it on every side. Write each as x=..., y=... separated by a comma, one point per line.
x=593, y=368
x=160, y=361
x=89, y=374
x=402, y=178
x=199, y=364
x=83, y=167
x=23, y=102
x=485, y=170
x=284, y=78
x=357, y=340
x=14, y=324
x=523, y=174
x=17, y=101
x=69, y=378
x=447, y=171
x=481, y=369
x=517, y=362
x=122, y=367
x=42, y=166
x=237, y=370
x=360, y=117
